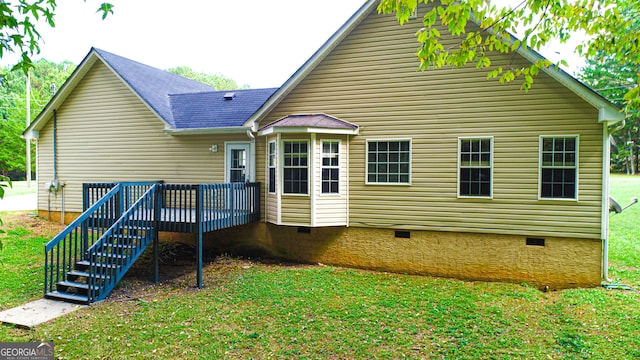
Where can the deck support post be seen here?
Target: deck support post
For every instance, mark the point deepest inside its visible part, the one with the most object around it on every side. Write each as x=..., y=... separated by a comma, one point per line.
x=156, y=220
x=199, y=221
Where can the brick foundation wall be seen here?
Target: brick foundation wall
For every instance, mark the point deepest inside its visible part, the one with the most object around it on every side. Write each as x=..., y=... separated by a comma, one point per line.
x=560, y=263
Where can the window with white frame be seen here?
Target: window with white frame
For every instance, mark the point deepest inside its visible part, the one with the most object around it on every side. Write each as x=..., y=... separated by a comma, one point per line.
x=389, y=161
x=475, y=162
x=558, y=167
x=272, y=156
x=330, y=166
x=296, y=167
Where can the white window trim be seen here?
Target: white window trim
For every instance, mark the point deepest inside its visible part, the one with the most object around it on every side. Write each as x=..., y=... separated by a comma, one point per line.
x=460, y=138
x=269, y=167
x=542, y=137
x=281, y=172
x=339, y=167
x=366, y=162
x=414, y=14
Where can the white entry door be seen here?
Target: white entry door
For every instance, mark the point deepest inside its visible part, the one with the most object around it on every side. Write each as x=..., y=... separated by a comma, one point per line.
x=237, y=162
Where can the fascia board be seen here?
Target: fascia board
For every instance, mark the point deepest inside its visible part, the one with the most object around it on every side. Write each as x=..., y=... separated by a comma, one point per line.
x=304, y=129
x=206, y=131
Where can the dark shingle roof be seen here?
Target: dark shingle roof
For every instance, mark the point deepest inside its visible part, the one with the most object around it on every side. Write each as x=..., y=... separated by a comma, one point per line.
x=151, y=84
x=312, y=120
x=211, y=110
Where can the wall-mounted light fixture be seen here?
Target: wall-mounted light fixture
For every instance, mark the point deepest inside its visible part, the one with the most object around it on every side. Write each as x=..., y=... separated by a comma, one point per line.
x=213, y=148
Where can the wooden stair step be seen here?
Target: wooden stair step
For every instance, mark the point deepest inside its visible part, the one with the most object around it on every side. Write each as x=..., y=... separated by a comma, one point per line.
x=85, y=264
x=75, y=274
x=68, y=297
x=80, y=288
x=110, y=255
x=121, y=246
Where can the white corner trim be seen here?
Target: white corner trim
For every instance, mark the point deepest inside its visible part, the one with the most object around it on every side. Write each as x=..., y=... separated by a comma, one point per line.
x=311, y=175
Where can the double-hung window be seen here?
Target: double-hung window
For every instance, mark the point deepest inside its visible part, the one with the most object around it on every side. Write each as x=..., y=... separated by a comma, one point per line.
x=475, y=163
x=330, y=167
x=296, y=167
x=558, y=167
x=388, y=161
x=272, y=156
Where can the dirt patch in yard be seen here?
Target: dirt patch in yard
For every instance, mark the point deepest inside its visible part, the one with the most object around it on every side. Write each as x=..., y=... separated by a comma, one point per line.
x=178, y=272
x=35, y=225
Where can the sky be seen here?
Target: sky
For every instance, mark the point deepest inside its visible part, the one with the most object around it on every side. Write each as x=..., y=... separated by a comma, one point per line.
x=259, y=43
x=255, y=42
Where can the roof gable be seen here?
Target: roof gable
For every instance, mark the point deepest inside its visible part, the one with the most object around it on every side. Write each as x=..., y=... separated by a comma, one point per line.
x=149, y=84
x=318, y=123
x=152, y=85
x=607, y=112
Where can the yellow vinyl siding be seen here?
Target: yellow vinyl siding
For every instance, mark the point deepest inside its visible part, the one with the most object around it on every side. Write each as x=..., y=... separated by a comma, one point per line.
x=296, y=210
x=106, y=133
x=371, y=79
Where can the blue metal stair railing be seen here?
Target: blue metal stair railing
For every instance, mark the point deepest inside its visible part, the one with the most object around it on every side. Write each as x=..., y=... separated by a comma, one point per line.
x=120, y=246
x=70, y=245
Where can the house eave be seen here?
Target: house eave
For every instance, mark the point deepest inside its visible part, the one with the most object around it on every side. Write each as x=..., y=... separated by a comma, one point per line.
x=30, y=134
x=307, y=129
x=208, y=131
x=607, y=112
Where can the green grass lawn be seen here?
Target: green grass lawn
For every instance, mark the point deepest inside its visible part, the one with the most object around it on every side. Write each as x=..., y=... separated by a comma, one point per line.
x=20, y=188
x=624, y=231
x=261, y=310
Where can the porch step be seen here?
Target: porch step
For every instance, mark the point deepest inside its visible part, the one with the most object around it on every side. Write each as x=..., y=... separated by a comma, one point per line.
x=121, y=248
x=75, y=274
x=64, y=296
x=85, y=264
x=110, y=255
x=76, y=288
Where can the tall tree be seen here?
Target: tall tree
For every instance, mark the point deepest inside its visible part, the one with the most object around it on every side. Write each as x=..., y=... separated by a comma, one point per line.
x=44, y=75
x=19, y=27
x=217, y=81
x=613, y=78
x=541, y=20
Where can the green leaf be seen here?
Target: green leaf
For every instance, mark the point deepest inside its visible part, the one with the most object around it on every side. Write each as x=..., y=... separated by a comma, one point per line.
x=106, y=9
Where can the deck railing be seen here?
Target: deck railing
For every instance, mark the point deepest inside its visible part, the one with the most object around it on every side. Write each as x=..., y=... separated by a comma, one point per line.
x=227, y=205
x=178, y=207
x=184, y=206
x=121, y=219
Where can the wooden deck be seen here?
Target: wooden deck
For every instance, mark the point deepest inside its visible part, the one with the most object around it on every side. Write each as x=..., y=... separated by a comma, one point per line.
x=120, y=220
x=186, y=207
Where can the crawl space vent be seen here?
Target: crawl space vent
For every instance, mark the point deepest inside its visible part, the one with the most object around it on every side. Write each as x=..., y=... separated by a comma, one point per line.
x=535, y=241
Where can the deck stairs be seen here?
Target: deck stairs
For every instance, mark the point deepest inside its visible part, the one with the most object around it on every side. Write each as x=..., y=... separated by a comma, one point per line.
x=86, y=260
